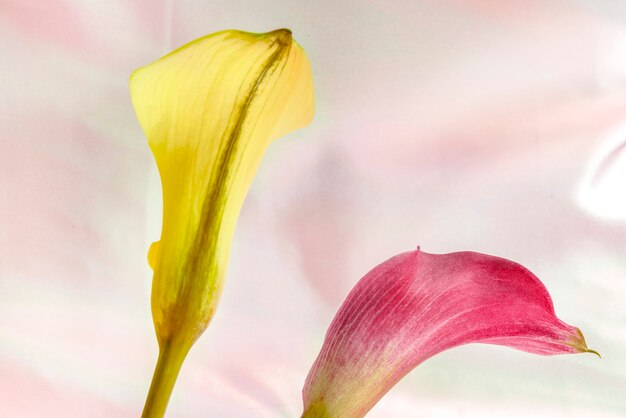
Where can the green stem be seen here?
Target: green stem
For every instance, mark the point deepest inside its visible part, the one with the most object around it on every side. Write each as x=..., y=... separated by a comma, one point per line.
x=171, y=357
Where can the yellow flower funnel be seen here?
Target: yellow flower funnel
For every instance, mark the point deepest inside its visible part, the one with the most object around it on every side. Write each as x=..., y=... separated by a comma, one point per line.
x=209, y=109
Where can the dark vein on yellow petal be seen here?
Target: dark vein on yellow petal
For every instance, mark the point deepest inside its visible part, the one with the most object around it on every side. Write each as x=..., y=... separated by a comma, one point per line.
x=202, y=250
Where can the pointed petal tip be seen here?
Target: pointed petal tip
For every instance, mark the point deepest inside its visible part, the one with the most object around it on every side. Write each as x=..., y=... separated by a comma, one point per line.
x=593, y=352
x=579, y=344
x=282, y=36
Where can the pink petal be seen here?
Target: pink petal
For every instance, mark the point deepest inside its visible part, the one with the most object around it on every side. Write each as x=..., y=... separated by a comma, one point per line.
x=416, y=305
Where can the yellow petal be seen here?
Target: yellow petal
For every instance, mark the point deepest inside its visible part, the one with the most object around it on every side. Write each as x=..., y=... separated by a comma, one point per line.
x=209, y=110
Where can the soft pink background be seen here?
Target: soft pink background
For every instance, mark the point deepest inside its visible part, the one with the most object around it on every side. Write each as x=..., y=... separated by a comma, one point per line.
x=485, y=125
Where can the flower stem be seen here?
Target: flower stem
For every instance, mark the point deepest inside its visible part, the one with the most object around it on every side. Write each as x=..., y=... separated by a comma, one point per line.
x=171, y=357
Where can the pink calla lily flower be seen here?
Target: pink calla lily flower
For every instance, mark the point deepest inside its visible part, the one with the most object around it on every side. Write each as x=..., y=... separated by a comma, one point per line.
x=416, y=305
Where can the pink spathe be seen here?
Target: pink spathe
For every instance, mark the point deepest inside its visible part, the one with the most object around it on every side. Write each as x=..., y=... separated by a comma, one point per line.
x=416, y=305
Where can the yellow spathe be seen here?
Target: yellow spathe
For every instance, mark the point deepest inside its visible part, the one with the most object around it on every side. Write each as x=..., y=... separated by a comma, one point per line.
x=209, y=110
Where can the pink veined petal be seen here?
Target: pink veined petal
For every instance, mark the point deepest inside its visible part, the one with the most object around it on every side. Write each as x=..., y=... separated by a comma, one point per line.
x=416, y=305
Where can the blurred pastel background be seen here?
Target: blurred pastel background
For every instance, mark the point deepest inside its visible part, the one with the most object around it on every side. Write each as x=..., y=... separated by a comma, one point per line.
x=486, y=125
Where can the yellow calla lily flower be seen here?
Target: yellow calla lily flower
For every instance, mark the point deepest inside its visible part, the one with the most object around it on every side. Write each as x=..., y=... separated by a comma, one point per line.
x=209, y=110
